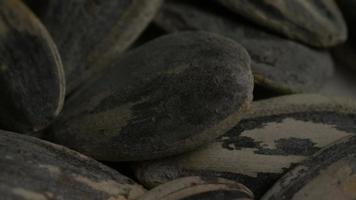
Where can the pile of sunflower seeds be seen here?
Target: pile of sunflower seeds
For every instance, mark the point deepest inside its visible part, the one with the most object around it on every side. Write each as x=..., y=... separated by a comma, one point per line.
x=177, y=99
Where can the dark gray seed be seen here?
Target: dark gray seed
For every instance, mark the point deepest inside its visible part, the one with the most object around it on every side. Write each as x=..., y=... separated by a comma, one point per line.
x=91, y=34
x=32, y=86
x=278, y=64
x=329, y=174
x=169, y=96
x=35, y=169
x=271, y=138
x=199, y=188
x=317, y=23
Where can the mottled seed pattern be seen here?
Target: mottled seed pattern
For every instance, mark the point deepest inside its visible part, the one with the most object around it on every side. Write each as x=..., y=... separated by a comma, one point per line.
x=259, y=149
x=329, y=174
x=35, y=169
x=194, y=100
x=150, y=108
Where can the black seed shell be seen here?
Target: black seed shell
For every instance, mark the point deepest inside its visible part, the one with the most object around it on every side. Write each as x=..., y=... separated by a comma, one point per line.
x=90, y=34
x=35, y=169
x=32, y=86
x=277, y=63
x=169, y=96
x=317, y=23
